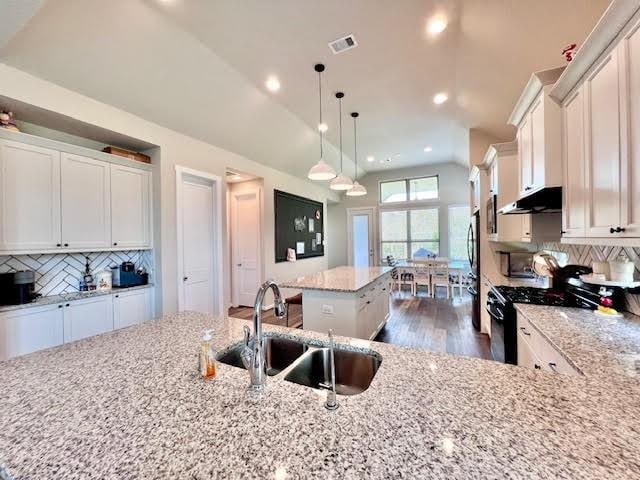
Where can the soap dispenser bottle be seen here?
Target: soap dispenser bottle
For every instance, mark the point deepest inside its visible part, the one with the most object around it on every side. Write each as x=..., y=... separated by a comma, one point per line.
x=207, y=356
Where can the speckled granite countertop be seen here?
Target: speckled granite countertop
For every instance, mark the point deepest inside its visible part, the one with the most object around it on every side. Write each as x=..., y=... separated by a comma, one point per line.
x=540, y=282
x=599, y=347
x=130, y=404
x=339, y=279
x=68, y=297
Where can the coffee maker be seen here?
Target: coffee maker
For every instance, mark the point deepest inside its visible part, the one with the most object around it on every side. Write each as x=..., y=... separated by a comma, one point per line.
x=17, y=288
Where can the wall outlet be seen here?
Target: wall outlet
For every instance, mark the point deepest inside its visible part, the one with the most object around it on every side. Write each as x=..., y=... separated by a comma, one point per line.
x=328, y=309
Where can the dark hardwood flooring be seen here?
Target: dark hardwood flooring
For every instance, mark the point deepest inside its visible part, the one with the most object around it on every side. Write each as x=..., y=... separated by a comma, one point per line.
x=435, y=324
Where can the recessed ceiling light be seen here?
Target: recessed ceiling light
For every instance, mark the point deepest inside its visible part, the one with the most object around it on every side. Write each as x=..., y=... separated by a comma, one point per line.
x=370, y=158
x=237, y=177
x=427, y=149
x=323, y=127
x=437, y=25
x=272, y=84
x=440, y=98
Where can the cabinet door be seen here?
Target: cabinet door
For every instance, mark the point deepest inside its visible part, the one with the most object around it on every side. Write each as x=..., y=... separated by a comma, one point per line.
x=526, y=227
x=603, y=148
x=573, y=208
x=86, y=217
x=526, y=356
x=630, y=100
x=29, y=197
x=30, y=329
x=524, y=155
x=131, y=308
x=130, y=207
x=537, y=145
x=86, y=318
x=493, y=178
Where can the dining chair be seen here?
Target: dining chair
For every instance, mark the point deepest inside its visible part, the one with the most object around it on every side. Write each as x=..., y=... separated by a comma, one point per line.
x=456, y=279
x=422, y=278
x=440, y=278
x=395, y=276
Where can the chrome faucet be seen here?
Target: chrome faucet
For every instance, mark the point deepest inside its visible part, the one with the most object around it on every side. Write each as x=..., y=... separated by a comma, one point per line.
x=332, y=402
x=253, y=352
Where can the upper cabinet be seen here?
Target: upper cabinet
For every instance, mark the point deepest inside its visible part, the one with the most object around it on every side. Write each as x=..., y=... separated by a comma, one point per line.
x=538, y=119
x=600, y=97
x=474, y=181
x=130, y=207
x=52, y=200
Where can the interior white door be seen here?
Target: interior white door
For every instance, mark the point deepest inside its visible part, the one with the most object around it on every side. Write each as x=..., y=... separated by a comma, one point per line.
x=361, y=240
x=29, y=197
x=197, y=245
x=130, y=207
x=245, y=240
x=86, y=209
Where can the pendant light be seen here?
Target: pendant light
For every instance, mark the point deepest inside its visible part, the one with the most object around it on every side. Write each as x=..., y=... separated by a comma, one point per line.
x=357, y=190
x=321, y=170
x=342, y=181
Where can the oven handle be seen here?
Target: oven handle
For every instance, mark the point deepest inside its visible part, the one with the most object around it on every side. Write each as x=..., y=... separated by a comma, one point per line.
x=498, y=316
x=472, y=290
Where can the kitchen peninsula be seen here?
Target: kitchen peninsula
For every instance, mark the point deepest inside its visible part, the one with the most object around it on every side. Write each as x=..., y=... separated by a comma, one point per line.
x=353, y=301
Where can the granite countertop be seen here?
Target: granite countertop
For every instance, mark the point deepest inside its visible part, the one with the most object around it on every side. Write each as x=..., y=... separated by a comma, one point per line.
x=339, y=279
x=69, y=297
x=597, y=346
x=130, y=404
x=540, y=282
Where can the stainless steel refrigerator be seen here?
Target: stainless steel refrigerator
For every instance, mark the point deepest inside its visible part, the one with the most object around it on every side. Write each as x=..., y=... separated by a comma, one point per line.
x=473, y=250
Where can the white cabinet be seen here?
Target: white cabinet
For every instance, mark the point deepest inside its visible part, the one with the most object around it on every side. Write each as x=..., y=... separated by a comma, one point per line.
x=30, y=329
x=573, y=188
x=603, y=148
x=474, y=181
x=131, y=308
x=29, y=197
x=538, y=120
x=130, y=207
x=525, y=227
x=88, y=317
x=494, y=177
x=86, y=212
x=526, y=357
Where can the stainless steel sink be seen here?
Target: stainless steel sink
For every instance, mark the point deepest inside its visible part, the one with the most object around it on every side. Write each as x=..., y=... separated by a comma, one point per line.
x=354, y=370
x=279, y=354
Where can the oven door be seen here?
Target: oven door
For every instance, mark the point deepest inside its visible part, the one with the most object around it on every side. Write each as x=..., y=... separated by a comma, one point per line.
x=496, y=312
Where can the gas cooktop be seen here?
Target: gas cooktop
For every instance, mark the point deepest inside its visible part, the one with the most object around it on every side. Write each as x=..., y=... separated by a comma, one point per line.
x=533, y=295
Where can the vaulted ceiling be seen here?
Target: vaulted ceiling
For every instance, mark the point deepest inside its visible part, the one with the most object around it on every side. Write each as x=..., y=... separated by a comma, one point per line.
x=199, y=66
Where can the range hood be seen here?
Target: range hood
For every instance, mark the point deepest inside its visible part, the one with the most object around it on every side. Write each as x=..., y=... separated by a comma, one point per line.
x=547, y=200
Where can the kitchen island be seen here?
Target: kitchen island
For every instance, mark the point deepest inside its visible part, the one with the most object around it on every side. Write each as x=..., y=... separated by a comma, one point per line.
x=130, y=404
x=353, y=301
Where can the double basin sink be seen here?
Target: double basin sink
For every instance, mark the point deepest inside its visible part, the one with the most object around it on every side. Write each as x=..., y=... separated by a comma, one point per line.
x=309, y=364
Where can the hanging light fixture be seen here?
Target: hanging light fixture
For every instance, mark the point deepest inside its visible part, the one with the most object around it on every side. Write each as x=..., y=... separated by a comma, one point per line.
x=357, y=190
x=321, y=170
x=342, y=181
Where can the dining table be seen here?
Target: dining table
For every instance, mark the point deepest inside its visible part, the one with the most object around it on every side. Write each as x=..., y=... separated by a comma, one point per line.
x=458, y=268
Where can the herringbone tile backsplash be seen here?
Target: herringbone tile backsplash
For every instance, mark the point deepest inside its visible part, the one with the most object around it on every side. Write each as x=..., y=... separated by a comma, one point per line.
x=61, y=272
x=587, y=254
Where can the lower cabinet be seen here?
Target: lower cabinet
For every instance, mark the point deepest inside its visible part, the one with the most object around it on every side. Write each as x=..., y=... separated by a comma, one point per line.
x=131, y=308
x=535, y=352
x=30, y=329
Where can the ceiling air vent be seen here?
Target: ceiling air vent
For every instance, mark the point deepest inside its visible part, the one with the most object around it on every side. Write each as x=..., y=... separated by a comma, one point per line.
x=231, y=173
x=342, y=44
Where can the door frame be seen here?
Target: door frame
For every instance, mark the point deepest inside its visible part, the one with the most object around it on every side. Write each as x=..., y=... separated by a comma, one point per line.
x=234, y=235
x=351, y=212
x=182, y=174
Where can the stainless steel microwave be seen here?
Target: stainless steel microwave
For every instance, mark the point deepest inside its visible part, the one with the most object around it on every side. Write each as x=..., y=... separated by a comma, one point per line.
x=516, y=264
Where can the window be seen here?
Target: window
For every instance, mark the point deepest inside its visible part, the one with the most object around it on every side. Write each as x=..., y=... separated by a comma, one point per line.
x=409, y=233
x=409, y=189
x=458, y=228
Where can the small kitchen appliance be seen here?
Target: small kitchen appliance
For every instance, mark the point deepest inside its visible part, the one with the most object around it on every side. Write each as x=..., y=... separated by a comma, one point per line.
x=516, y=264
x=17, y=288
x=125, y=276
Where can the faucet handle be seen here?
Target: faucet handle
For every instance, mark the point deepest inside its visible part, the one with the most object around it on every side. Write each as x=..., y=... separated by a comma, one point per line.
x=246, y=355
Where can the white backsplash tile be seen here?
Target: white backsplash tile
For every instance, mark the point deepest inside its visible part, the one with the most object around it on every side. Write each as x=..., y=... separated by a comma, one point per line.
x=587, y=254
x=61, y=272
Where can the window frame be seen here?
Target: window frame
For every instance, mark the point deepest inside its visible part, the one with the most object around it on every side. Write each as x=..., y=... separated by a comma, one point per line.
x=408, y=240
x=408, y=200
x=451, y=237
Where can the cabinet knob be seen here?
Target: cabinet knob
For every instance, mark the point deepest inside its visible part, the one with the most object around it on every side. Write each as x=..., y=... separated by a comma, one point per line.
x=184, y=279
x=60, y=306
x=58, y=244
x=115, y=244
x=536, y=366
x=117, y=296
x=525, y=331
x=612, y=230
x=67, y=304
x=553, y=366
x=563, y=232
x=619, y=229
x=66, y=244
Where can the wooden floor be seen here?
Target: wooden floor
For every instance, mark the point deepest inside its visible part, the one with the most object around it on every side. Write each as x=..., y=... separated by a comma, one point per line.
x=435, y=324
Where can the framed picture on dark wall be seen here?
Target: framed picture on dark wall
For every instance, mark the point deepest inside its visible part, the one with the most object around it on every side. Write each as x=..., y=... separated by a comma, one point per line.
x=299, y=222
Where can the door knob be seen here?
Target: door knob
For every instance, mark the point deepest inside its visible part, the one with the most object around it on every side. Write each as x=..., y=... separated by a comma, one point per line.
x=184, y=279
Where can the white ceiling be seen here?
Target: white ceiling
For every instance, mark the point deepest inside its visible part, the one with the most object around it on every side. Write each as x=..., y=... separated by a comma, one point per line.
x=199, y=66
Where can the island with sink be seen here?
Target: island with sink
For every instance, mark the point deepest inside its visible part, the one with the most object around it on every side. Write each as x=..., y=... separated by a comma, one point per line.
x=132, y=404
x=352, y=301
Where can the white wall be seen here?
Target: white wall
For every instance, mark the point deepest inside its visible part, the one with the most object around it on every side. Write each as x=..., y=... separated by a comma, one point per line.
x=175, y=149
x=454, y=190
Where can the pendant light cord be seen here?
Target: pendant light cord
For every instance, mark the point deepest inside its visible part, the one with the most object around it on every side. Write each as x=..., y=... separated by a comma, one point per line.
x=320, y=98
x=355, y=146
x=340, y=122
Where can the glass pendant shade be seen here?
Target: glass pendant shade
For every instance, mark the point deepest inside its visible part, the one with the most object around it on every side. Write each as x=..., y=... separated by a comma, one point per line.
x=341, y=182
x=321, y=171
x=357, y=190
